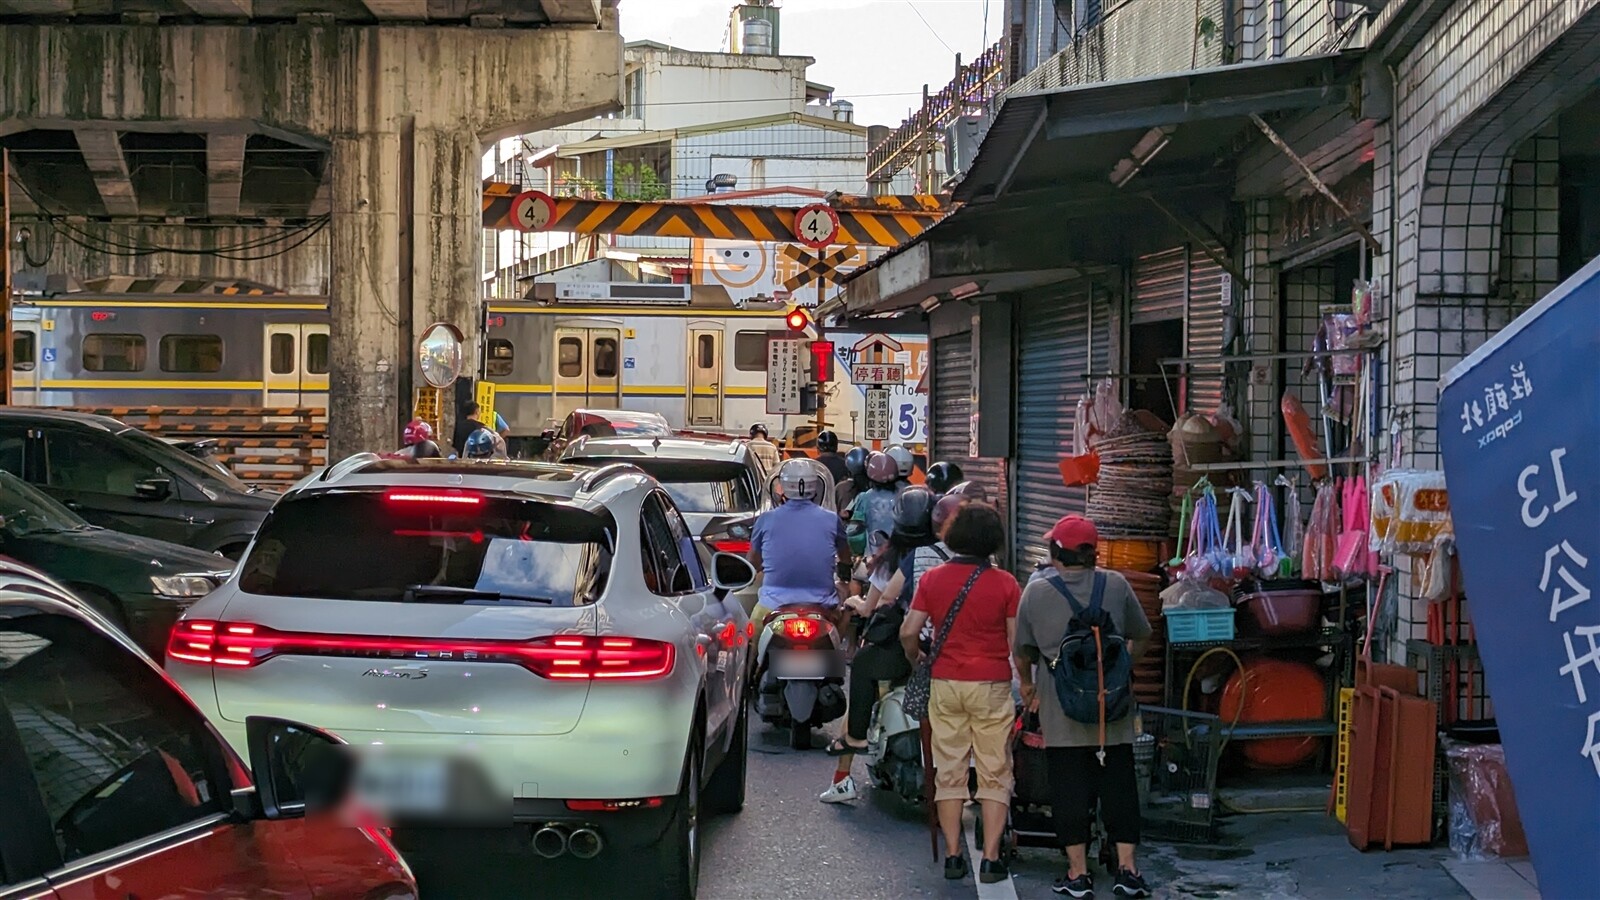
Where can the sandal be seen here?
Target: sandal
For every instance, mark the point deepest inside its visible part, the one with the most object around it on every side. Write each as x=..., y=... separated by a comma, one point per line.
x=841, y=747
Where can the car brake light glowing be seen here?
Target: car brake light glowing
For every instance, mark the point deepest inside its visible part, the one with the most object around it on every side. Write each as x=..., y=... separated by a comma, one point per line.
x=726, y=634
x=447, y=498
x=614, y=805
x=568, y=657
x=730, y=545
x=801, y=629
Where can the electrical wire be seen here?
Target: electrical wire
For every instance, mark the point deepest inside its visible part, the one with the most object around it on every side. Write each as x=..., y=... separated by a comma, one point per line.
x=930, y=27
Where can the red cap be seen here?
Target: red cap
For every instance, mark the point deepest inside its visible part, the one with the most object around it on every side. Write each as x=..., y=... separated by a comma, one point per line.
x=1072, y=532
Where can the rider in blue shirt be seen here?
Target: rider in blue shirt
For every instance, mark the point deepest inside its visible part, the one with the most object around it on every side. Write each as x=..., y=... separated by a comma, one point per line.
x=798, y=545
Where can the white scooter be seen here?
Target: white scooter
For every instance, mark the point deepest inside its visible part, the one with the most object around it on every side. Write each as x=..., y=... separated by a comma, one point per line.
x=894, y=748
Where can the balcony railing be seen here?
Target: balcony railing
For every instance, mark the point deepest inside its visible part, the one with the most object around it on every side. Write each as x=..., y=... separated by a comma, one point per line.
x=969, y=93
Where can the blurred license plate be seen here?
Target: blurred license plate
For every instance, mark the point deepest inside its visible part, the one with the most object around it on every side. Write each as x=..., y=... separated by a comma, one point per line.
x=405, y=786
x=802, y=665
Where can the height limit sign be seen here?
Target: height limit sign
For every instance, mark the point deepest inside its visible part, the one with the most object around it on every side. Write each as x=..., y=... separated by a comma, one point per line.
x=877, y=423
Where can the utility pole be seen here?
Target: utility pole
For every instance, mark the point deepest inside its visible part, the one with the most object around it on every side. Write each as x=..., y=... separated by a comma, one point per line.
x=5, y=274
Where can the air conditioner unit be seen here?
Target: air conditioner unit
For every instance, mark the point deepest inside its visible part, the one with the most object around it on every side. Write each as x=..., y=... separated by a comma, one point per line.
x=961, y=140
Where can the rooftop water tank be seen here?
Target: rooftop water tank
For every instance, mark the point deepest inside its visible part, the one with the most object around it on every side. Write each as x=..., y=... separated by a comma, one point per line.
x=757, y=37
x=844, y=111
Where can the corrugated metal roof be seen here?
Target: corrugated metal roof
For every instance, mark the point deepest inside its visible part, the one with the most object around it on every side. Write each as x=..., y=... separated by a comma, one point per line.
x=645, y=138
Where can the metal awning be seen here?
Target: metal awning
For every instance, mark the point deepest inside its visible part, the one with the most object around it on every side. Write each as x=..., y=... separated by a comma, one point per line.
x=1121, y=155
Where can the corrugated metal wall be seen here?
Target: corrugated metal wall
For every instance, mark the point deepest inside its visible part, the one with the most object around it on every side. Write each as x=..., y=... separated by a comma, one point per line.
x=952, y=416
x=1160, y=286
x=1054, y=353
x=1203, y=331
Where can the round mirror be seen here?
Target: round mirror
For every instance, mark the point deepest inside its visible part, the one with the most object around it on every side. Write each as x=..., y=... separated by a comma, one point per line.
x=440, y=355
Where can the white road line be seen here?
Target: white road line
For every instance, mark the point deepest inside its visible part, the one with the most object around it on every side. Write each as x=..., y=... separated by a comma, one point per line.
x=1000, y=890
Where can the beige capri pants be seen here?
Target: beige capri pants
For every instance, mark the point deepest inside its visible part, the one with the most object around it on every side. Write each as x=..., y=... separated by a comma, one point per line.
x=971, y=720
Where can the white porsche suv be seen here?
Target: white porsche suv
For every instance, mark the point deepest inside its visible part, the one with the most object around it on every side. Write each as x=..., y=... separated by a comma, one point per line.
x=541, y=648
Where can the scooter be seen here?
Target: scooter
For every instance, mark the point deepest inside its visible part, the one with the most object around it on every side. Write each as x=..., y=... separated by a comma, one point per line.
x=894, y=748
x=800, y=667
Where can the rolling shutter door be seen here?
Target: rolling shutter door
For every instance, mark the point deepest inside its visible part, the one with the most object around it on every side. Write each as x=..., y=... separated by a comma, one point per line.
x=952, y=416
x=1160, y=286
x=1203, y=332
x=1053, y=355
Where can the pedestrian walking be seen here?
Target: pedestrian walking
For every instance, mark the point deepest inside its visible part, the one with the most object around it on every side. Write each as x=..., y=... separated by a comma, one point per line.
x=1081, y=778
x=762, y=447
x=970, y=707
x=466, y=423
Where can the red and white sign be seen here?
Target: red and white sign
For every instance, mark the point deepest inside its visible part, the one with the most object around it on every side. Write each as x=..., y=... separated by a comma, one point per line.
x=816, y=225
x=532, y=211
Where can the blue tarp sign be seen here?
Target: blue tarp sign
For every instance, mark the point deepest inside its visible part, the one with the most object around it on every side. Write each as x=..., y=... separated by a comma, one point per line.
x=1519, y=428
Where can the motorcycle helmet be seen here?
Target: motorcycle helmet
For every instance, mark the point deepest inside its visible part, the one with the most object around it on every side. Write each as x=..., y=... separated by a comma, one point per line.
x=881, y=469
x=913, y=513
x=856, y=461
x=800, y=480
x=827, y=442
x=758, y=429
x=417, y=431
x=970, y=490
x=903, y=460
x=942, y=476
x=484, y=444
x=945, y=510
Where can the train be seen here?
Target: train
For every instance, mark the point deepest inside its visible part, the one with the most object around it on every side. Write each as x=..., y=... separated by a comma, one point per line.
x=695, y=358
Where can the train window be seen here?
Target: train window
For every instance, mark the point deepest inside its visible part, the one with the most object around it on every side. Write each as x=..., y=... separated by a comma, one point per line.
x=569, y=357
x=502, y=356
x=281, y=351
x=750, y=350
x=605, y=357
x=113, y=352
x=705, y=351
x=191, y=353
x=24, y=350
x=317, y=354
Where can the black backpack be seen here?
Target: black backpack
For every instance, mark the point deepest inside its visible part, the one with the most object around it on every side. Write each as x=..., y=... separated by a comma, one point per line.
x=1093, y=674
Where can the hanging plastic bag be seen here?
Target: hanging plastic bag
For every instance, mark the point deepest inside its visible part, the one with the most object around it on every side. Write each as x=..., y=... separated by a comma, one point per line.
x=1241, y=558
x=1422, y=511
x=1438, y=575
x=1322, y=536
x=1350, y=554
x=1294, y=528
x=1080, y=427
x=1204, y=561
x=1265, y=539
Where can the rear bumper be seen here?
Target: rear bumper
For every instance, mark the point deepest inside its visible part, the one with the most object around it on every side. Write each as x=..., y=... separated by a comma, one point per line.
x=151, y=617
x=632, y=831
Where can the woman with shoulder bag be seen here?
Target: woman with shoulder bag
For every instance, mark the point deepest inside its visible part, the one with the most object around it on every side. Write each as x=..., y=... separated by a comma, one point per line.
x=880, y=657
x=965, y=681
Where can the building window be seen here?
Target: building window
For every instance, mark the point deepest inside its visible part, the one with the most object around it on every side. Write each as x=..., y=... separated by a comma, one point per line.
x=633, y=94
x=705, y=351
x=113, y=352
x=750, y=350
x=280, y=350
x=502, y=356
x=24, y=350
x=605, y=357
x=569, y=357
x=191, y=353
x=317, y=354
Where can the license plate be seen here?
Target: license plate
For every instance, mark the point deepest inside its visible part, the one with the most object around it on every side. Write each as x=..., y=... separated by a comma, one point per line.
x=404, y=786
x=802, y=665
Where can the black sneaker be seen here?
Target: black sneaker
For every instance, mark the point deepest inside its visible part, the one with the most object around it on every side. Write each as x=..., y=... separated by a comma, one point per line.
x=955, y=867
x=993, y=870
x=1081, y=887
x=1130, y=884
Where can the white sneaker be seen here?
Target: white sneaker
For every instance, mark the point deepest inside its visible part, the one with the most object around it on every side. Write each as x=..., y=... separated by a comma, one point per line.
x=841, y=792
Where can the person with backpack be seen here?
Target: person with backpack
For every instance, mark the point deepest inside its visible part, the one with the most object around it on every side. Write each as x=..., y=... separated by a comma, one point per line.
x=1079, y=630
x=970, y=710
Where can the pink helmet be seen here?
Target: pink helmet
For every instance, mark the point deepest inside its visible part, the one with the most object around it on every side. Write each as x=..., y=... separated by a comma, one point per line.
x=881, y=468
x=418, y=431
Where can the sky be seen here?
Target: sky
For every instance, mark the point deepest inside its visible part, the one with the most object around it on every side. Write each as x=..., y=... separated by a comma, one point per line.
x=875, y=53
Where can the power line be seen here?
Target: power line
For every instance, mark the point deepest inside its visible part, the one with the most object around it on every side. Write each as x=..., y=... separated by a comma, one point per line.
x=930, y=27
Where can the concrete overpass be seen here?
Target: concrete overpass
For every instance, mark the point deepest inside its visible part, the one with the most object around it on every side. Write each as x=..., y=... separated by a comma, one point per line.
x=193, y=127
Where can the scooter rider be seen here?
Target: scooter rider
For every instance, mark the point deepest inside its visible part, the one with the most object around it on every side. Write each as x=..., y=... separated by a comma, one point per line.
x=800, y=547
x=941, y=477
x=419, y=441
x=828, y=455
x=846, y=491
x=904, y=462
x=875, y=510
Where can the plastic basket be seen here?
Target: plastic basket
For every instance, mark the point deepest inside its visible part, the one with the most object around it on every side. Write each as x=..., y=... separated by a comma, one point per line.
x=1341, y=771
x=1194, y=626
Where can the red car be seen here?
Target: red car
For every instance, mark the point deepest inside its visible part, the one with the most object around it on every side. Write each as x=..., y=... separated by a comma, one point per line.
x=602, y=423
x=114, y=785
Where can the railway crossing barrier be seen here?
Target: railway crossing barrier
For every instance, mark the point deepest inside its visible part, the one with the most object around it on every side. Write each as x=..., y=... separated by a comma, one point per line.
x=270, y=447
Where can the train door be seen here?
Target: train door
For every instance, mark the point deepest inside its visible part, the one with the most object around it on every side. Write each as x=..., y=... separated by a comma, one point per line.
x=588, y=369
x=296, y=371
x=705, y=376
x=25, y=364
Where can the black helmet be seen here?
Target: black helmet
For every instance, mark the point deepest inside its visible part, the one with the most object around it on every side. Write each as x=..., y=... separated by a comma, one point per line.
x=942, y=476
x=827, y=442
x=913, y=512
x=856, y=462
x=758, y=428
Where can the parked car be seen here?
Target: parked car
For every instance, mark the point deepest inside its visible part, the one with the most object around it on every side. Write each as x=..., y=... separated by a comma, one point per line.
x=719, y=486
x=557, y=628
x=119, y=477
x=602, y=423
x=116, y=786
x=141, y=585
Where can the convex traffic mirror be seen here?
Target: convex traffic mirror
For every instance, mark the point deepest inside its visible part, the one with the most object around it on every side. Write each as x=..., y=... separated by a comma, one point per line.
x=440, y=354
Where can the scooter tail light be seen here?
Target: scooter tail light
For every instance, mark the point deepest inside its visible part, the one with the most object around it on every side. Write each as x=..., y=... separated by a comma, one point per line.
x=801, y=628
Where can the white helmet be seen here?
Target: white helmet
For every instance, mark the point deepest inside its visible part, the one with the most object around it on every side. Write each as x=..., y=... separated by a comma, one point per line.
x=805, y=479
x=903, y=460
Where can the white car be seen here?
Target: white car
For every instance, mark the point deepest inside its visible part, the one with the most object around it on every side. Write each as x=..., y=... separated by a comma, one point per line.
x=548, y=637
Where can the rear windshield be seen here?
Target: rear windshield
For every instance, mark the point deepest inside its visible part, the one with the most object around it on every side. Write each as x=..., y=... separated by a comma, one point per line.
x=696, y=486
x=622, y=428
x=363, y=545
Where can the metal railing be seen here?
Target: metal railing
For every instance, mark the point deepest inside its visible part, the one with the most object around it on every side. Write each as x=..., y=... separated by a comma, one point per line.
x=969, y=93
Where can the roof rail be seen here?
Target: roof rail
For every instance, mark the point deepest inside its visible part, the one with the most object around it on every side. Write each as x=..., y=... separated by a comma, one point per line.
x=607, y=472
x=348, y=465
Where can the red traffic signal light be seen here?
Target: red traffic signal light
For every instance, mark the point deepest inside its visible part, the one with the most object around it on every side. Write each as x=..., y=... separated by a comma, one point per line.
x=797, y=320
x=822, y=356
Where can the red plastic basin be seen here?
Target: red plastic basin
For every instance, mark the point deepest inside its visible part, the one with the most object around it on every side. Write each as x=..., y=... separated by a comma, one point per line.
x=1279, y=613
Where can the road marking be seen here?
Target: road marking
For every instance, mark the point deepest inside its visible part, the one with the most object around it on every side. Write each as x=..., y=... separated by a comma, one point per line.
x=1000, y=890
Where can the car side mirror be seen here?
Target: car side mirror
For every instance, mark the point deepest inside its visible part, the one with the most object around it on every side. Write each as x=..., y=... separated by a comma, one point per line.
x=549, y=434
x=731, y=572
x=297, y=769
x=153, y=489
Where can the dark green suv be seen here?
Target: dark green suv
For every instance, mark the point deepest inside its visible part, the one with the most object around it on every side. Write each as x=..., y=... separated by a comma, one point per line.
x=141, y=584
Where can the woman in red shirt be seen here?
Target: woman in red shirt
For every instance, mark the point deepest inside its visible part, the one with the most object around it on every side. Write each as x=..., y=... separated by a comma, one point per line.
x=970, y=705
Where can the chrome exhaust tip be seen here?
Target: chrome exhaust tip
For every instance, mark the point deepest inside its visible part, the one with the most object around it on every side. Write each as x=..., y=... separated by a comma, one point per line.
x=585, y=843
x=550, y=842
